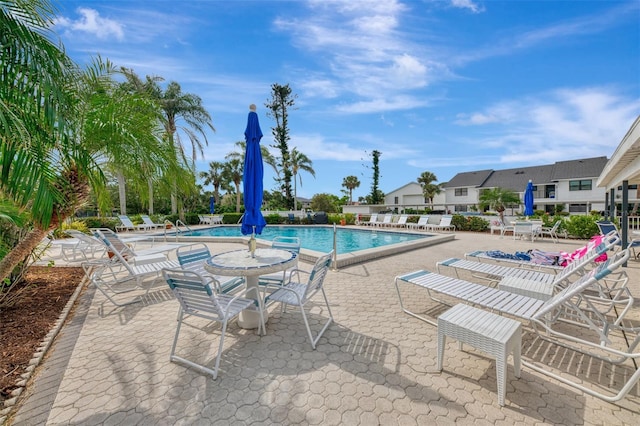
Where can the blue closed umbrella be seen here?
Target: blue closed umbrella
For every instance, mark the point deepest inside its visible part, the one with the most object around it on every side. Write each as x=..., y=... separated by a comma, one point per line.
x=252, y=221
x=528, y=199
x=212, y=205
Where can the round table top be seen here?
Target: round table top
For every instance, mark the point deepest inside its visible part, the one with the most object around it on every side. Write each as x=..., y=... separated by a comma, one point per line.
x=240, y=262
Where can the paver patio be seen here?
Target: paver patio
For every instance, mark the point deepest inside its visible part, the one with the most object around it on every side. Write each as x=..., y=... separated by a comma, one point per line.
x=374, y=365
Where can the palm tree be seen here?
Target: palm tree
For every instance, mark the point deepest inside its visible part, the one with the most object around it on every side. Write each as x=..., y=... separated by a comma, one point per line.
x=214, y=176
x=351, y=183
x=299, y=162
x=498, y=199
x=232, y=172
x=42, y=169
x=120, y=127
x=183, y=113
x=429, y=189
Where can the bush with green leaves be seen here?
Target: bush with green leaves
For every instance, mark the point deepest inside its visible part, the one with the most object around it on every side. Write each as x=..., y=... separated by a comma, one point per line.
x=469, y=223
x=231, y=218
x=274, y=219
x=582, y=226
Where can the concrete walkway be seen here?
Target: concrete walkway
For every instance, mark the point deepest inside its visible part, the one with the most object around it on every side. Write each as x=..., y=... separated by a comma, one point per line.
x=374, y=365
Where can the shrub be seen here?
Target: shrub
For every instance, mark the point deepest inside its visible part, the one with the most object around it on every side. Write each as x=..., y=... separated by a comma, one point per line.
x=582, y=226
x=469, y=223
x=100, y=222
x=275, y=219
x=231, y=218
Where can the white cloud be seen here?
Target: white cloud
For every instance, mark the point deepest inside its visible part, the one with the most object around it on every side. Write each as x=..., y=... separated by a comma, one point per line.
x=91, y=22
x=468, y=4
x=554, y=126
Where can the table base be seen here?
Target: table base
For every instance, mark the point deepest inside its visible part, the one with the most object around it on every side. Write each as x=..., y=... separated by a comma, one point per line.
x=250, y=319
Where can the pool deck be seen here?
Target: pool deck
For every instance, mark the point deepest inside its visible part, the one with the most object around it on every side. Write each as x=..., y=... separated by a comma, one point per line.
x=373, y=366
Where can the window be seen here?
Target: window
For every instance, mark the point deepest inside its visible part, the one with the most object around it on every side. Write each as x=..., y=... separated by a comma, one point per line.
x=577, y=208
x=580, y=185
x=395, y=200
x=461, y=192
x=460, y=208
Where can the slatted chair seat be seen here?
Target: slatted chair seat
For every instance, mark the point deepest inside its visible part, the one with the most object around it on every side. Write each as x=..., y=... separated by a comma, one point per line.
x=483, y=256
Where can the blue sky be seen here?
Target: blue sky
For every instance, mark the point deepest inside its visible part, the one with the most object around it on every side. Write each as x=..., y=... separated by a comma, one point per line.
x=440, y=86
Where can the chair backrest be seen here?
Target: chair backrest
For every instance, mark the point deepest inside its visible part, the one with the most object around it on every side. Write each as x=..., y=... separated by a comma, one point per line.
x=555, y=226
x=196, y=296
x=188, y=255
x=591, y=252
x=126, y=221
x=522, y=227
x=582, y=283
x=423, y=220
x=446, y=220
x=605, y=227
x=373, y=218
x=286, y=243
x=403, y=219
x=317, y=275
x=81, y=236
x=147, y=220
x=387, y=218
x=114, y=244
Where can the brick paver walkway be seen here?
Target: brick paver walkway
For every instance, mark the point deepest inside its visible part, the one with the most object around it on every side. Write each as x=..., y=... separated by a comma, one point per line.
x=374, y=365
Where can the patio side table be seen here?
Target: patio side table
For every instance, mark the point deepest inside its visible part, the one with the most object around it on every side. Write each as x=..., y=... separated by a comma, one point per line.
x=490, y=333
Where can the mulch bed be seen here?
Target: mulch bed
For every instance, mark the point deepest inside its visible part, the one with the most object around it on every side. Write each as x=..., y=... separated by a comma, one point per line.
x=44, y=293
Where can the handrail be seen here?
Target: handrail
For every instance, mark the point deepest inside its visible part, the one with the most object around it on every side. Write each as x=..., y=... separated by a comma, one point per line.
x=175, y=226
x=179, y=222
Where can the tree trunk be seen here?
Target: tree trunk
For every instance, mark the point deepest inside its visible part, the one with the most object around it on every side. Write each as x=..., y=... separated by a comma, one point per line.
x=295, y=193
x=122, y=193
x=237, y=198
x=20, y=252
x=150, y=185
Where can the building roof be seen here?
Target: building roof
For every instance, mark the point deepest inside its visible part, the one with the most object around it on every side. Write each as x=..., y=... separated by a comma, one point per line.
x=467, y=179
x=625, y=161
x=516, y=179
x=404, y=186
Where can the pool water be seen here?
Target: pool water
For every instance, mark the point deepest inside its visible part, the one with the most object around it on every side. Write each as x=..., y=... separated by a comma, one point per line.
x=319, y=238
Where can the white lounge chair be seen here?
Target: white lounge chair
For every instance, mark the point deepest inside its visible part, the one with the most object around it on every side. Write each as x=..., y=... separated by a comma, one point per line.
x=150, y=223
x=585, y=303
x=373, y=220
x=423, y=223
x=402, y=221
x=127, y=225
x=444, y=225
x=387, y=220
x=197, y=298
x=534, y=283
x=551, y=232
x=86, y=245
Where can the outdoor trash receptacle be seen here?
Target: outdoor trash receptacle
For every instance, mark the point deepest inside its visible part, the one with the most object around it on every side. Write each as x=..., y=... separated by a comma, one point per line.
x=320, y=218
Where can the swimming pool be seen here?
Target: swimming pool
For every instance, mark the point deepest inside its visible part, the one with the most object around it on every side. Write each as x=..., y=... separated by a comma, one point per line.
x=319, y=238
x=353, y=244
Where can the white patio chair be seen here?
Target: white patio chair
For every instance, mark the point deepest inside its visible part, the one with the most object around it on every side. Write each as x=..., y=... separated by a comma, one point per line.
x=551, y=232
x=299, y=294
x=197, y=298
x=284, y=243
x=522, y=229
x=192, y=258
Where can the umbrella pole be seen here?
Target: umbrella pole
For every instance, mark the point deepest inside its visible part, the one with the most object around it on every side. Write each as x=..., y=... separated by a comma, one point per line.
x=252, y=244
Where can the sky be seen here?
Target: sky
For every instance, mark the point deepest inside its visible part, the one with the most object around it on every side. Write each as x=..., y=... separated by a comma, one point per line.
x=439, y=86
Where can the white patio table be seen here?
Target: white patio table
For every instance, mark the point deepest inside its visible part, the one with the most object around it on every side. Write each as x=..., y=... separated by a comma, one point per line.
x=240, y=262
